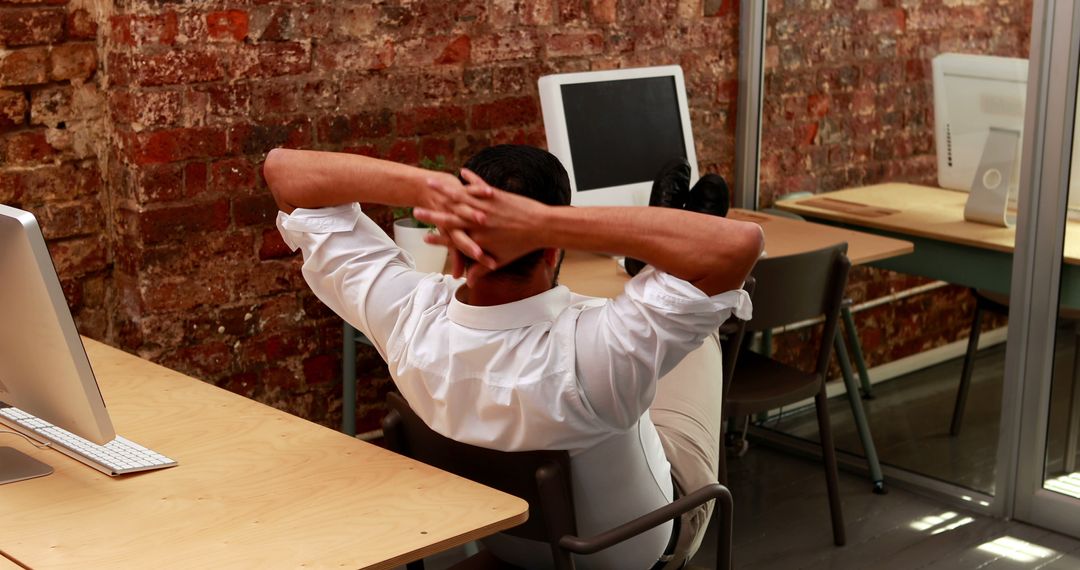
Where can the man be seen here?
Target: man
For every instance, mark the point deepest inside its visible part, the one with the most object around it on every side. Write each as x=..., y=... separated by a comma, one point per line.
x=509, y=360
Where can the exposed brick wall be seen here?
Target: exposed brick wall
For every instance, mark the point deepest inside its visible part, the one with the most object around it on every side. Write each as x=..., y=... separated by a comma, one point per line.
x=135, y=130
x=849, y=102
x=200, y=91
x=51, y=119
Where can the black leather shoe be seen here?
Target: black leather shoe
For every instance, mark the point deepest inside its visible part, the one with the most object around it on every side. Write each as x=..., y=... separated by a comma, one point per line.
x=672, y=185
x=710, y=196
x=669, y=190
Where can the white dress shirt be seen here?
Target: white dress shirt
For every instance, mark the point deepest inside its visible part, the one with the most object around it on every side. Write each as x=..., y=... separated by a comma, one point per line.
x=552, y=371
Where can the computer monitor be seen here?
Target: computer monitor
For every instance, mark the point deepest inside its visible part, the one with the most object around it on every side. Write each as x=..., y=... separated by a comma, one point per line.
x=44, y=370
x=613, y=130
x=979, y=104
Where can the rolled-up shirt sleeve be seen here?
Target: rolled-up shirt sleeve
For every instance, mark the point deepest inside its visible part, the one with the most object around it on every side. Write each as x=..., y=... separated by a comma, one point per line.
x=352, y=266
x=626, y=345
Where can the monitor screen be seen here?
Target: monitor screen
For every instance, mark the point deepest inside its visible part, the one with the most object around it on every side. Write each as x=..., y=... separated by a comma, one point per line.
x=615, y=129
x=622, y=131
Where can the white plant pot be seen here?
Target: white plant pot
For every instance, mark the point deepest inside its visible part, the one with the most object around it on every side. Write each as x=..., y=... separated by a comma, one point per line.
x=410, y=237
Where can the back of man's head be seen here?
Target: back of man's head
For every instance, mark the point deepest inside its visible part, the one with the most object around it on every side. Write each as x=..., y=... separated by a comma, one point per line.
x=527, y=171
x=524, y=170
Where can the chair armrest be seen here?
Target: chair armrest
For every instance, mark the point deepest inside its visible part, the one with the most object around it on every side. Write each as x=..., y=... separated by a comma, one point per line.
x=647, y=521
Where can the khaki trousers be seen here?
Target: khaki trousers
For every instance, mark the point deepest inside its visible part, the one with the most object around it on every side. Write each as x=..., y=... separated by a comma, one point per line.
x=686, y=412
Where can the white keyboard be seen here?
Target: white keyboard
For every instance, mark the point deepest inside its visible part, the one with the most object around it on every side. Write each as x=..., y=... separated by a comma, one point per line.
x=117, y=457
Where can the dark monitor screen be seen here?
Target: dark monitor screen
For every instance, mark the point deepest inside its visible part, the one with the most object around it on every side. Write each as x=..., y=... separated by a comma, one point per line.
x=622, y=131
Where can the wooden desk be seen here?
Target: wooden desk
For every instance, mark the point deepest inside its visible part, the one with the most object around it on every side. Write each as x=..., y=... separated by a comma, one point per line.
x=946, y=246
x=599, y=276
x=255, y=488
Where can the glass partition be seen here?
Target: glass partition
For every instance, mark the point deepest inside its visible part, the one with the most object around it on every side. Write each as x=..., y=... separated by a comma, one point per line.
x=856, y=129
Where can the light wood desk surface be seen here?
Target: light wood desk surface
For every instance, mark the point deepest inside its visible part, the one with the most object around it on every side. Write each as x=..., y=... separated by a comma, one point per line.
x=922, y=211
x=598, y=275
x=255, y=488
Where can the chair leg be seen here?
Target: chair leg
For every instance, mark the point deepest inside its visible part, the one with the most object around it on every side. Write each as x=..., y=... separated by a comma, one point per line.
x=965, y=374
x=832, y=479
x=856, y=352
x=857, y=412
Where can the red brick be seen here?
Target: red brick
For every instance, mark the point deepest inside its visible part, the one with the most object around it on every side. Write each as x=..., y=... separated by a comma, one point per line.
x=576, y=44
x=321, y=369
x=428, y=120
x=26, y=66
x=135, y=30
x=31, y=26
x=79, y=256
x=354, y=56
x=232, y=175
x=68, y=219
x=254, y=210
x=158, y=108
x=269, y=60
x=339, y=129
x=260, y=138
x=503, y=113
x=455, y=52
x=170, y=145
x=205, y=361
x=28, y=148
x=273, y=247
x=52, y=183
x=433, y=148
x=175, y=222
x=518, y=44
x=72, y=61
x=177, y=66
x=12, y=108
x=227, y=25
x=405, y=151
x=160, y=183
x=81, y=25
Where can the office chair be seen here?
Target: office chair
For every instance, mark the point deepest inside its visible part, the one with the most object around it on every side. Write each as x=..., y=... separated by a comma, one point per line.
x=790, y=289
x=877, y=476
x=541, y=478
x=999, y=303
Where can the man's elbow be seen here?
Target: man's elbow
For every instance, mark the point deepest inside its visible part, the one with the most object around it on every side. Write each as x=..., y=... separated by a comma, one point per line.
x=274, y=174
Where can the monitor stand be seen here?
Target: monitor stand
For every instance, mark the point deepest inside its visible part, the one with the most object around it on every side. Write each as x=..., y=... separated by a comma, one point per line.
x=18, y=466
x=988, y=202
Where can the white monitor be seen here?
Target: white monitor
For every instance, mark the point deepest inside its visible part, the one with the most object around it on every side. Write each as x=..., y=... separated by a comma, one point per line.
x=979, y=104
x=43, y=366
x=972, y=95
x=613, y=130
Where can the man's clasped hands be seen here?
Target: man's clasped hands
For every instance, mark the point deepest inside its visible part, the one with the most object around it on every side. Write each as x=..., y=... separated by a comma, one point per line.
x=475, y=220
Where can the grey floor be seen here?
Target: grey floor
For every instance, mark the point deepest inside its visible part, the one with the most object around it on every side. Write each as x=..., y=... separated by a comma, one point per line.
x=781, y=509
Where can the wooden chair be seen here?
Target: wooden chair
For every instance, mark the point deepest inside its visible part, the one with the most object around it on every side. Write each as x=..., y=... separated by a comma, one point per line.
x=542, y=478
x=791, y=289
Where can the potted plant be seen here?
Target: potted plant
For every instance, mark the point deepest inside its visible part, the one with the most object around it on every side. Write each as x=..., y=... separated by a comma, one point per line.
x=409, y=232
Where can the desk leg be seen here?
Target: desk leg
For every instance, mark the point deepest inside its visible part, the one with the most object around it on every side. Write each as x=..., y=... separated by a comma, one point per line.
x=856, y=351
x=348, y=378
x=860, y=416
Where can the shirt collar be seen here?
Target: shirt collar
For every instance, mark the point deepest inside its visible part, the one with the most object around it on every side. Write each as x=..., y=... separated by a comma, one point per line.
x=540, y=308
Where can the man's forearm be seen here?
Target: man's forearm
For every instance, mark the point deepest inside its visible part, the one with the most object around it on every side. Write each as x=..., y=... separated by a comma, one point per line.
x=715, y=254
x=313, y=179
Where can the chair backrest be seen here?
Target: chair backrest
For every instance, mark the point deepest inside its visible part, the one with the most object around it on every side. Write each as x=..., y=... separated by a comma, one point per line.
x=799, y=287
x=541, y=478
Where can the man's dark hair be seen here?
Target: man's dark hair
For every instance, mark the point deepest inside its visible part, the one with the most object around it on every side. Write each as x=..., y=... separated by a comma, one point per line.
x=527, y=171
